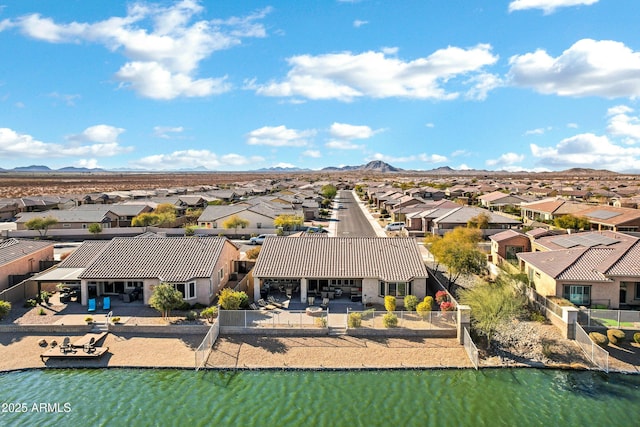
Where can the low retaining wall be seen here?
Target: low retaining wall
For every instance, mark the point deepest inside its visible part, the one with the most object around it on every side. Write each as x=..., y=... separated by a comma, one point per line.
x=401, y=332
x=77, y=329
x=46, y=329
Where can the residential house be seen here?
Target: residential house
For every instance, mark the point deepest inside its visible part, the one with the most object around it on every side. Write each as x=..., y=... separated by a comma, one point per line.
x=459, y=217
x=198, y=267
x=363, y=268
x=124, y=212
x=21, y=258
x=8, y=210
x=71, y=219
x=612, y=218
x=506, y=245
x=499, y=201
x=549, y=209
x=597, y=269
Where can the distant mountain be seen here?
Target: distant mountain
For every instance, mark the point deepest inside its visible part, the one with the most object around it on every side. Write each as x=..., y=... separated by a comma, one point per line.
x=373, y=166
x=32, y=168
x=72, y=169
x=281, y=169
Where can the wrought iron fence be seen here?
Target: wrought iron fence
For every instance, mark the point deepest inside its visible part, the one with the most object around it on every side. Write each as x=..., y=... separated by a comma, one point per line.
x=204, y=349
x=598, y=355
x=272, y=319
x=403, y=319
x=471, y=349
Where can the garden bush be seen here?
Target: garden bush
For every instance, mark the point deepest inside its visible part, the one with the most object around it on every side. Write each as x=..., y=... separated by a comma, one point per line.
x=410, y=302
x=192, y=315
x=354, y=320
x=31, y=302
x=390, y=303
x=598, y=338
x=209, y=313
x=390, y=320
x=5, y=308
x=615, y=335
x=425, y=307
x=232, y=300
x=442, y=296
x=41, y=312
x=636, y=337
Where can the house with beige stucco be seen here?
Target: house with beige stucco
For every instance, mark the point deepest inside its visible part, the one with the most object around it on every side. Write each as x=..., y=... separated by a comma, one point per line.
x=20, y=258
x=593, y=269
x=362, y=269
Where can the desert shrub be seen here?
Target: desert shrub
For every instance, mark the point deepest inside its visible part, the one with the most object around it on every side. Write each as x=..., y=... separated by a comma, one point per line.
x=232, y=300
x=184, y=306
x=599, y=338
x=537, y=317
x=192, y=315
x=636, y=337
x=425, y=307
x=209, y=313
x=615, y=335
x=253, y=253
x=31, y=302
x=390, y=320
x=442, y=296
x=321, y=321
x=88, y=319
x=447, y=306
x=354, y=320
x=115, y=320
x=390, y=303
x=410, y=302
x=5, y=308
x=41, y=312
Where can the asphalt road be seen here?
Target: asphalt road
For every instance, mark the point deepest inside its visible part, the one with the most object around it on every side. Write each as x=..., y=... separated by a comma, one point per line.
x=351, y=221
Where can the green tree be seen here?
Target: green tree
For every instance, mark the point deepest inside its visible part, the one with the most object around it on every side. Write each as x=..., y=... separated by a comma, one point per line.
x=328, y=191
x=228, y=299
x=480, y=221
x=234, y=221
x=95, y=228
x=572, y=222
x=146, y=220
x=458, y=251
x=41, y=224
x=492, y=305
x=288, y=221
x=253, y=253
x=165, y=298
x=5, y=308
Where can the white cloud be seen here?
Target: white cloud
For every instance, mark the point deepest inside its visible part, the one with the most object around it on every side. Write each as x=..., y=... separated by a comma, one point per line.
x=68, y=99
x=312, y=153
x=589, y=151
x=98, y=141
x=538, y=131
x=359, y=23
x=572, y=125
x=343, y=145
x=190, y=159
x=284, y=165
x=346, y=76
x=426, y=158
x=279, y=136
x=87, y=163
x=430, y=125
x=459, y=153
x=548, y=6
x=163, y=45
x=98, y=133
x=588, y=68
x=347, y=131
x=482, y=84
x=506, y=159
x=165, y=132
x=622, y=124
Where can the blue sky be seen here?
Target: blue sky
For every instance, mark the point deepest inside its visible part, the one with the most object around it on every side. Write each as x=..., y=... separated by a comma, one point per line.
x=530, y=85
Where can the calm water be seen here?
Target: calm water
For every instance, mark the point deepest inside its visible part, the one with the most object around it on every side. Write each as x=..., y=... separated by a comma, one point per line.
x=524, y=397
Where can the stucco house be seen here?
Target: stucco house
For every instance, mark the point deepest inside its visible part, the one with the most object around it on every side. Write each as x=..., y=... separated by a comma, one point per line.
x=71, y=219
x=459, y=217
x=362, y=268
x=19, y=258
x=506, y=245
x=589, y=269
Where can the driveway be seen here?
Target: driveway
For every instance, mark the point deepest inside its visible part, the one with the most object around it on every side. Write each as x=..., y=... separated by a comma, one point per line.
x=352, y=222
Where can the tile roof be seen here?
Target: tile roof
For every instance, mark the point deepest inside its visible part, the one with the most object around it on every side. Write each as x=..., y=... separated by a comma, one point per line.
x=390, y=259
x=172, y=259
x=506, y=235
x=13, y=249
x=83, y=255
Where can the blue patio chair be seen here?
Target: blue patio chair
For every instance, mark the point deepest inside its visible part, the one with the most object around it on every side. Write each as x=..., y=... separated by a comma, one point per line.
x=91, y=306
x=106, y=303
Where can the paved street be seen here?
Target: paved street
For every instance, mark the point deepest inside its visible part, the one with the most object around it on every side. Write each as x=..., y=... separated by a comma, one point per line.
x=352, y=222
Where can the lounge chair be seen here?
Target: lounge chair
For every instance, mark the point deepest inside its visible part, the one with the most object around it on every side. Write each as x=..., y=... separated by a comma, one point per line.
x=91, y=304
x=273, y=301
x=90, y=347
x=106, y=303
x=253, y=306
x=66, y=346
x=262, y=303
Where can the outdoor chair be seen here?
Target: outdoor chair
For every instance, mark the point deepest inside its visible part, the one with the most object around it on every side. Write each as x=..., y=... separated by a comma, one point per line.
x=253, y=306
x=90, y=347
x=106, y=303
x=91, y=304
x=66, y=347
x=262, y=303
x=325, y=302
x=273, y=301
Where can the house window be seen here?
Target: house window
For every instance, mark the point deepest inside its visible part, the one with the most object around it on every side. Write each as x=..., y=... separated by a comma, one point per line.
x=66, y=225
x=580, y=295
x=637, y=294
x=511, y=251
x=214, y=225
x=258, y=225
x=188, y=290
x=221, y=273
x=396, y=289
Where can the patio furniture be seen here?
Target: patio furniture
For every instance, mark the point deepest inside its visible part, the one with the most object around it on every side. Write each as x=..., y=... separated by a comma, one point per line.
x=264, y=304
x=106, y=303
x=90, y=347
x=313, y=311
x=66, y=345
x=325, y=302
x=253, y=306
x=91, y=304
x=273, y=301
x=311, y=300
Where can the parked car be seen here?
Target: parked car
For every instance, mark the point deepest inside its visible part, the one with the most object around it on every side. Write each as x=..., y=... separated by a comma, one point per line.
x=394, y=226
x=258, y=240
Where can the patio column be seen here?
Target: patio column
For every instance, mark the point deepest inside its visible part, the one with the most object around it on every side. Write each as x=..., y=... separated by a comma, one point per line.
x=303, y=290
x=84, y=292
x=464, y=321
x=256, y=289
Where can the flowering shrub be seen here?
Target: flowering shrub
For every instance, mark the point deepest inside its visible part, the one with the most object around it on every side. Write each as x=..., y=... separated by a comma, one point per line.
x=447, y=306
x=442, y=296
